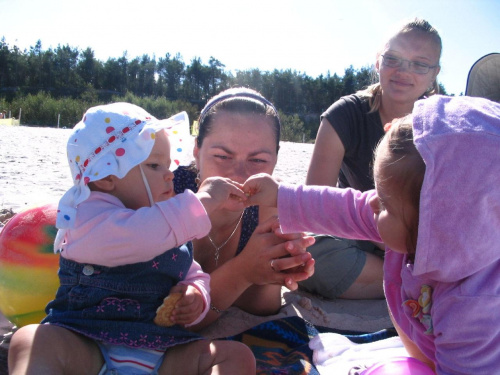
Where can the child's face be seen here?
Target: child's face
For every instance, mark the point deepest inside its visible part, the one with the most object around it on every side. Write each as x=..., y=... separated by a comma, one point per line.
x=391, y=211
x=131, y=189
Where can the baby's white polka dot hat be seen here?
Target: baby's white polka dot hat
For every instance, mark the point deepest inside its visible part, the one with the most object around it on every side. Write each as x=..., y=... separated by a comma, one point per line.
x=112, y=139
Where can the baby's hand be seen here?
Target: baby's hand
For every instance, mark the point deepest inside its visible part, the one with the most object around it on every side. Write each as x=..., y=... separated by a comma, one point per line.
x=262, y=189
x=189, y=307
x=217, y=192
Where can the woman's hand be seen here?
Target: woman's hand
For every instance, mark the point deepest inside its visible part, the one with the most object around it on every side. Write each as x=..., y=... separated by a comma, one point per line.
x=271, y=257
x=269, y=260
x=189, y=307
x=296, y=246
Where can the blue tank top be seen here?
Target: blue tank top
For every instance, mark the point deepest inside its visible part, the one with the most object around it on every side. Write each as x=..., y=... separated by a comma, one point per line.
x=185, y=178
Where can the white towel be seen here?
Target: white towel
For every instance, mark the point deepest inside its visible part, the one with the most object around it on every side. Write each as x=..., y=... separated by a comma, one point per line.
x=336, y=354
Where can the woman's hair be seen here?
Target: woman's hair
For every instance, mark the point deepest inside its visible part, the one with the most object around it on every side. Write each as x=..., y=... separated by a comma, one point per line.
x=403, y=169
x=239, y=100
x=373, y=91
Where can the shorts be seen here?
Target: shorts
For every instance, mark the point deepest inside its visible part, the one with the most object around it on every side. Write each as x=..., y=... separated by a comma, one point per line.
x=121, y=359
x=339, y=262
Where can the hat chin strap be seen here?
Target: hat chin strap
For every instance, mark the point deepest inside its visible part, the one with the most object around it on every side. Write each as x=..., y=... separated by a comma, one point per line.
x=146, y=185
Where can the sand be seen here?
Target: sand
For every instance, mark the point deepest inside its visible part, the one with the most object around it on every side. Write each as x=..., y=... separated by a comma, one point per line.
x=34, y=171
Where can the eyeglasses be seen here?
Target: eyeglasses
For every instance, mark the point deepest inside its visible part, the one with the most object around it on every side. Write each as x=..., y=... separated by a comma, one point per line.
x=414, y=66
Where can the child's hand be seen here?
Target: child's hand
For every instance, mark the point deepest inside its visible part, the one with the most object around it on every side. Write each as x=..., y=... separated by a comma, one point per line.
x=189, y=307
x=262, y=189
x=218, y=192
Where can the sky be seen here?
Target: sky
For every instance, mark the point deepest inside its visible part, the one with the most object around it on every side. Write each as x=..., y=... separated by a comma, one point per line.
x=313, y=37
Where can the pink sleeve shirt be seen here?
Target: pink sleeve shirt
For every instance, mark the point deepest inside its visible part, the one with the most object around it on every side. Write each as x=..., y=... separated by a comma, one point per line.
x=326, y=210
x=132, y=236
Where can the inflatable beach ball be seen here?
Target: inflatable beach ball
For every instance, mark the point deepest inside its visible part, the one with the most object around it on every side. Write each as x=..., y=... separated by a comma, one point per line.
x=399, y=366
x=28, y=265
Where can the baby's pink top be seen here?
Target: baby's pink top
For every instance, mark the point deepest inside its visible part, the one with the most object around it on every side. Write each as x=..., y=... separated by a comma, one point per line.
x=132, y=236
x=448, y=300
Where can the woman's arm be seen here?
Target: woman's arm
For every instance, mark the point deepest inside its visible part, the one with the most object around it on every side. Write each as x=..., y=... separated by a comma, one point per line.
x=327, y=157
x=261, y=300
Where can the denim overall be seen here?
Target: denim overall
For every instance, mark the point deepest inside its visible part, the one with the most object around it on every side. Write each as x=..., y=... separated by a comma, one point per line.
x=117, y=305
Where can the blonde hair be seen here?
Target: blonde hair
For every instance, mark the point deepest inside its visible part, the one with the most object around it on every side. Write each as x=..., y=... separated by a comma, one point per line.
x=372, y=92
x=402, y=168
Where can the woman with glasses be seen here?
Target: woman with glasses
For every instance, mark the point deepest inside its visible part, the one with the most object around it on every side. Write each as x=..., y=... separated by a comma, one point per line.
x=407, y=67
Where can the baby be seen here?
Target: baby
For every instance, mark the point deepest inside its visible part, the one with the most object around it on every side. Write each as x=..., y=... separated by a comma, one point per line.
x=124, y=245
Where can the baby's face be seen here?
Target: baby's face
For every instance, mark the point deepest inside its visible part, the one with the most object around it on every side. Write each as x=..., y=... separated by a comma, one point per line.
x=131, y=189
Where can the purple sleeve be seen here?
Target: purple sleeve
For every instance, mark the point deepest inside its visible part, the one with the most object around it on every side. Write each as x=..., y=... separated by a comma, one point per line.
x=327, y=210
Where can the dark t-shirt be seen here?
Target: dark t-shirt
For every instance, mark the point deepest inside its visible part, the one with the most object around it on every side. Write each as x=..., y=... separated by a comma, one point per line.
x=360, y=133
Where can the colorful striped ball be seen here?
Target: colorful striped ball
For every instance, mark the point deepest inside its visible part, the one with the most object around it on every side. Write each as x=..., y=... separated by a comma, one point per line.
x=28, y=265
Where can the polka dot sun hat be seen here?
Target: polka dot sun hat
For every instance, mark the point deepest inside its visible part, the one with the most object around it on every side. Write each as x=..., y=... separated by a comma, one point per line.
x=110, y=140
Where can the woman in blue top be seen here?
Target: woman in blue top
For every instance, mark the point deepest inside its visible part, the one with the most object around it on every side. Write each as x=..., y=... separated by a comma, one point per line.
x=238, y=137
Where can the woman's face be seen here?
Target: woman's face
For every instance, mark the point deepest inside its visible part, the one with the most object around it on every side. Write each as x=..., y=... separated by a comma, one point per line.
x=238, y=146
x=400, y=84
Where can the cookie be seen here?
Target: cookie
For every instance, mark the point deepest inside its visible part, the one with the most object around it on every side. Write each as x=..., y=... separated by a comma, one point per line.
x=164, y=312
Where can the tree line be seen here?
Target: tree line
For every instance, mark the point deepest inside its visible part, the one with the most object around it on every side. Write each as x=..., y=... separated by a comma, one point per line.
x=69, y=77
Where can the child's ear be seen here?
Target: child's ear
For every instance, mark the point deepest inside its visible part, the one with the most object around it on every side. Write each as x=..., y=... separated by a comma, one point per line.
x=105, y=184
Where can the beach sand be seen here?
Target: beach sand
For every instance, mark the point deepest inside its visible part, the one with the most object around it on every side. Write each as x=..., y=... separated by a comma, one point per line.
x=34, y=171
